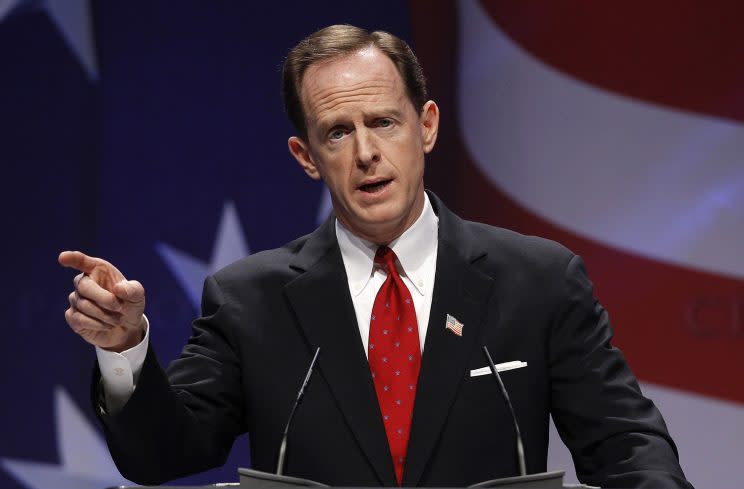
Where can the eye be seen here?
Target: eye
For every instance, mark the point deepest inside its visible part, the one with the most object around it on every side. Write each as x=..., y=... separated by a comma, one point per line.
x=336, y=134
x=384, y=122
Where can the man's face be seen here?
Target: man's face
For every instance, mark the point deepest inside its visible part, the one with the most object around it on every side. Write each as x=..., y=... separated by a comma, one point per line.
x=367, y=142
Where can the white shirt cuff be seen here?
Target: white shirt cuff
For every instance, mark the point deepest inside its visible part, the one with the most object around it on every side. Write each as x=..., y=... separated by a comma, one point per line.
x=120, y=372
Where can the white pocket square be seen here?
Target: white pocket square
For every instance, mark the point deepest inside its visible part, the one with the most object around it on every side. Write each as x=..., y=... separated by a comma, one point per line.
x=500, y=367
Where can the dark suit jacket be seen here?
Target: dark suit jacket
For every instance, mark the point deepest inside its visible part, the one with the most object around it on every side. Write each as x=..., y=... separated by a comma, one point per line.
x=526, y=298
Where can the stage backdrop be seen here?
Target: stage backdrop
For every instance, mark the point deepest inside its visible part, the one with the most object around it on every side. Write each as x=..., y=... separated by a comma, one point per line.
x=151, y=133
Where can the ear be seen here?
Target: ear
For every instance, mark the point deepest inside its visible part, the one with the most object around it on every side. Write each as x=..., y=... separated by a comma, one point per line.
x=301, y=152
x=429, y=125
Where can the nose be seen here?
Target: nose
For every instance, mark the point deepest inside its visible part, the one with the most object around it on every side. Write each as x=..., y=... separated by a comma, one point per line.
x=367, y=151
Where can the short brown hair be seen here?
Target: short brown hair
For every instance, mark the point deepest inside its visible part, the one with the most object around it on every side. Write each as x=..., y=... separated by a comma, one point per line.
x=339, y=40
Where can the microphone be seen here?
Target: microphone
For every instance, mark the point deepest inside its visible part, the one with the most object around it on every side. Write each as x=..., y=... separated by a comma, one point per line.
x=520, y=446
x=300, y=394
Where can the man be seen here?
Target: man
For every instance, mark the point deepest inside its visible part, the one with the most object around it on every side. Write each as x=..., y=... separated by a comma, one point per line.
x=400, y=294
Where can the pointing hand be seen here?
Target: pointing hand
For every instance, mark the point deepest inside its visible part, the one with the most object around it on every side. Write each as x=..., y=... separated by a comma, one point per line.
x=106, y=309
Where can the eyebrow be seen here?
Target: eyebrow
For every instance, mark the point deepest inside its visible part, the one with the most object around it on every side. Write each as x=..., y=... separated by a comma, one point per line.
x=389, y=111
x=377, y=113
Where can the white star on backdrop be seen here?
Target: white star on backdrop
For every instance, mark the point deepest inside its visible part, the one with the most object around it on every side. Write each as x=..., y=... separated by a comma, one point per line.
x=85, y=462
x=230, y=245
x=73, y=21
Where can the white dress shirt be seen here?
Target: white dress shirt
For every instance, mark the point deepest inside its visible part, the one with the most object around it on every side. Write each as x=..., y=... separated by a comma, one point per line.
x=416, y=250
x=120, y=371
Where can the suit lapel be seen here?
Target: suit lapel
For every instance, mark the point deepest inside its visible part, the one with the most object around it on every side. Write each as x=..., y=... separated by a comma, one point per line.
x=320, y=298
x=463, y=291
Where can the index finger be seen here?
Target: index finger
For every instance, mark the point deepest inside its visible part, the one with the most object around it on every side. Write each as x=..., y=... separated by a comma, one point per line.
x=77, y=260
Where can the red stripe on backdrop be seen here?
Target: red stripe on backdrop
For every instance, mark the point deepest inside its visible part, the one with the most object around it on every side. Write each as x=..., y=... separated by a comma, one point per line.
x=685, y=54
x=677, y=326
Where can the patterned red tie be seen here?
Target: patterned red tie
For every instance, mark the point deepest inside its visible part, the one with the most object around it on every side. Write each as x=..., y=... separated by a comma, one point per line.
x=394, y=357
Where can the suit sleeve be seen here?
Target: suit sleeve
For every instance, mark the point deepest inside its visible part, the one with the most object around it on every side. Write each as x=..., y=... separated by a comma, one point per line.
x=616, y=436
x=184, y=420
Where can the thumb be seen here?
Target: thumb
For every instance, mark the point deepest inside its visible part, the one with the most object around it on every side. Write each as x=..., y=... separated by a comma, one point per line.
x=129, y=291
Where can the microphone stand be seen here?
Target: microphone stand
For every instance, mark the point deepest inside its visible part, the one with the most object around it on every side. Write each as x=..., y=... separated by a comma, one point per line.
x=261, y=480
x=520, y=446
x=300, y=395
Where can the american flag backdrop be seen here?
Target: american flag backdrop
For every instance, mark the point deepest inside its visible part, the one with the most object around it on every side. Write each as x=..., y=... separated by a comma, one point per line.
x=616, y=128
x=151, y=133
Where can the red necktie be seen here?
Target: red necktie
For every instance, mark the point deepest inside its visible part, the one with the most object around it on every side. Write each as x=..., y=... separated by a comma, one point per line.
x=394, y=357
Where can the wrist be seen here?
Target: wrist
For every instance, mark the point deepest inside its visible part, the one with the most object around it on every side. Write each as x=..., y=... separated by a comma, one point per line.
x=132, y=339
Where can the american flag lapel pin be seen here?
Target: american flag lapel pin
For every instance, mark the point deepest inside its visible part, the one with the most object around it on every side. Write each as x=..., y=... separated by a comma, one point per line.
x=454, y=325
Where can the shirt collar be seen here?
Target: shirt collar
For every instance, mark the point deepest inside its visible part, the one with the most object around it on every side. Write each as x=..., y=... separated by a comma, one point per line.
x=412, y=248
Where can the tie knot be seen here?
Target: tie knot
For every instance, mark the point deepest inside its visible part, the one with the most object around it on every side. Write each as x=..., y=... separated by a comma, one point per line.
x=385, y=258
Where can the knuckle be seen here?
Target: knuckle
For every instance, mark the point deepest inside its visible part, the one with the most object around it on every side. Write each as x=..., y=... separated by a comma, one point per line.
x=76, y=316
x=79, y=317
x=73, y=320
x=113, y=305
x=82, y=304
x=80, y=330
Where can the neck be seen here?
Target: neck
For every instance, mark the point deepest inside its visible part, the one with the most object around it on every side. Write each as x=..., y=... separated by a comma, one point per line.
x=383, y=234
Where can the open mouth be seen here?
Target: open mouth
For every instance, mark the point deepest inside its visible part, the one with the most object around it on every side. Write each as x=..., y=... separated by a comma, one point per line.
x=374, y=187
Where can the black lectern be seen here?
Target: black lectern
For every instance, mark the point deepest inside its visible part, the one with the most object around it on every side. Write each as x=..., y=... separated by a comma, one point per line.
x=254, y=479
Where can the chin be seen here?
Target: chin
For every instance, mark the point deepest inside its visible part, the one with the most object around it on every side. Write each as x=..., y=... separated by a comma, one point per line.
x=385, y=226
